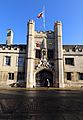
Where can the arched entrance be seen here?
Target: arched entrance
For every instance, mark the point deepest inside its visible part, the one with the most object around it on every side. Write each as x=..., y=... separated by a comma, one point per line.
x=44, y=78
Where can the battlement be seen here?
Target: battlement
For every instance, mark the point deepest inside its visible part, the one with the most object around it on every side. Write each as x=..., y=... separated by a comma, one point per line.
x=73, y=49
x=47, y=34
x=12, y=48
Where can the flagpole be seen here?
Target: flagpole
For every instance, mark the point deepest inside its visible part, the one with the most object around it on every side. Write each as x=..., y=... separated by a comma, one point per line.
x=44, y=21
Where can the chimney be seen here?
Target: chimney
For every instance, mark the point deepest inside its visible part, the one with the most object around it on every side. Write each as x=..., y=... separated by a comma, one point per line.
x=9, y=40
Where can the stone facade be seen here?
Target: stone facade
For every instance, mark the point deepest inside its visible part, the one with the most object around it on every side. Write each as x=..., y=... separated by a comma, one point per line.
x=43, y=61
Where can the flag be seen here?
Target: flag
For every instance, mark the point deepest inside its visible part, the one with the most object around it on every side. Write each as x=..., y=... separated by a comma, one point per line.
x=40, y=15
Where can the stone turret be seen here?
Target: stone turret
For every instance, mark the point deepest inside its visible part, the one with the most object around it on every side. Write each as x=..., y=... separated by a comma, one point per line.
x=30, y=55
x=9, y=40
x=59, y=75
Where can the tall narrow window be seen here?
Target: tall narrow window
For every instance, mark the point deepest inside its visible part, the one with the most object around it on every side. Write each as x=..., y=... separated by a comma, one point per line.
x=20, y=75
x=7, y=60
x=50, y=54
x=38, y=53
x=20, y=61
x=80, y=76
x=68, y=75
x=11, y=76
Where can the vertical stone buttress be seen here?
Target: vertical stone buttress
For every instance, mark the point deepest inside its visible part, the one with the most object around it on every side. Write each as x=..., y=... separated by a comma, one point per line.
x=59, y=74
x=30, y=55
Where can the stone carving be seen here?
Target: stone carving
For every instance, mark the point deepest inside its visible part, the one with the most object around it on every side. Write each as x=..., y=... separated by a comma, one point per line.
x=43, y=62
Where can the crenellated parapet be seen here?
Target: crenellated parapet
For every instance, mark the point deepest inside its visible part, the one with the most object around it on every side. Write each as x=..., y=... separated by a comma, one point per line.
x=73, y=49
x=12, y=48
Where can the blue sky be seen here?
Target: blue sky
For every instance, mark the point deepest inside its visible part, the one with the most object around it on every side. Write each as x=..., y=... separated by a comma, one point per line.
x=14, y=14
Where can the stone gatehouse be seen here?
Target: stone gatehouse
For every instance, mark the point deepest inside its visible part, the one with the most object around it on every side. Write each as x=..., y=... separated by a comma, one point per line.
x=42, y=61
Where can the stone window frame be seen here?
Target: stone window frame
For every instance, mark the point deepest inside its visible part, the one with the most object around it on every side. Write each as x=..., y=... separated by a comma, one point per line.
x=20, y=61
x=7, y=60
x=10, y=76
x=69, y=76
x=69, y=61
x=80, y=76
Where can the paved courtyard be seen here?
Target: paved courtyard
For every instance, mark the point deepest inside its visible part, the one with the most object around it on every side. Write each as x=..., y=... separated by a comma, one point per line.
x=41, y=105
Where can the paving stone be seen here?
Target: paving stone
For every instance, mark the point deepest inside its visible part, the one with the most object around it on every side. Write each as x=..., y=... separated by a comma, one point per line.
x=41, y=105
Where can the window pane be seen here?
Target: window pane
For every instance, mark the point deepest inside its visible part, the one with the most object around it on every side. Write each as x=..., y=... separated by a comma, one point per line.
x=11, y=76
x=68, y=75
x=7, y=60
x=38, y=53
x=80, y=76
x=20, y=61
x=50, y=54
x=69, y=61
x=20, y=76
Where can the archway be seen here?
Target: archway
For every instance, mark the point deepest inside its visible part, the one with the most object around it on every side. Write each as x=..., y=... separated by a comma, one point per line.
x=43, y=77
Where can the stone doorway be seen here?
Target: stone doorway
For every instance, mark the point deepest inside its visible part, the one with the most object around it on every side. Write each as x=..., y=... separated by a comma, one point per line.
x=44, y=78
